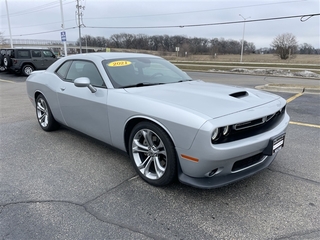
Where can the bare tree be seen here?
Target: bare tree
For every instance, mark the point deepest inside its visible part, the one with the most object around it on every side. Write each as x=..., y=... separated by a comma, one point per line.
x=306, y=49
x=166, y=43
x=2, y=39
x=285, y=45
x=249, y=47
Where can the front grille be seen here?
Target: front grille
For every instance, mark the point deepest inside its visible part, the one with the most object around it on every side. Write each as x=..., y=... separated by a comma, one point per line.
x=247, y=162
x=249, y=124
x=256, y=122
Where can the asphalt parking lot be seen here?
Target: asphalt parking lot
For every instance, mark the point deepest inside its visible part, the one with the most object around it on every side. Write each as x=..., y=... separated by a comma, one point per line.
x=64, y=185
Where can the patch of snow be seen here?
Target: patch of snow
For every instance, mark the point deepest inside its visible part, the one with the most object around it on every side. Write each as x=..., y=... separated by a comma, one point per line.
x=276, y=72
x=307, y=74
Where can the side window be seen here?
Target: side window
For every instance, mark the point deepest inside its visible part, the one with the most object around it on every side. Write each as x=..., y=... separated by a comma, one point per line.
x=36, y=53
x=48, y=54
x=85, y=69
x=23, y=54
x=10, y=53
x=63, y=69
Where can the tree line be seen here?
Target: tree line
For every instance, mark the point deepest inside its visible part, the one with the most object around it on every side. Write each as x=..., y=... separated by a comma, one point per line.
x=166, y=43
x=187, y=45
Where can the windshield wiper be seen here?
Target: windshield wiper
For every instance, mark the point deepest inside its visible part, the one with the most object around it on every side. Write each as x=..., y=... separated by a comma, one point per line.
x=141, y=85
x=185, y=80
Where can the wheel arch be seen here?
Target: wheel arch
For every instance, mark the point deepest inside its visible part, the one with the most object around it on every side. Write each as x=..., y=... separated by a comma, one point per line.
x=25, y=64
x=137, y=119
x=28, y=63
x=36, y=94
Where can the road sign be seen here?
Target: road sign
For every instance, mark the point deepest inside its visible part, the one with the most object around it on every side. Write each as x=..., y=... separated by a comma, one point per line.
x=63, y=36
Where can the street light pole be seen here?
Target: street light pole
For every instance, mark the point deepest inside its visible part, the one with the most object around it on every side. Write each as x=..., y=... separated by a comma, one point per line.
x=244, y=27
x=86, y=44
x=11, y=44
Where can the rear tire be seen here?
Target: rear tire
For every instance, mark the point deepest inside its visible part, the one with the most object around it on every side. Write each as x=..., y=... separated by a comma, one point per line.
x=27, y=70
x=44, y=115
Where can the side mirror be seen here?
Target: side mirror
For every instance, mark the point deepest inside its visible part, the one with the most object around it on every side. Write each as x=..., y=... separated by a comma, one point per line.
x=84, y=82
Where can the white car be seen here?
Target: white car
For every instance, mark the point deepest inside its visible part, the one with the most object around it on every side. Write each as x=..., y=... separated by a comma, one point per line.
x=206, y=134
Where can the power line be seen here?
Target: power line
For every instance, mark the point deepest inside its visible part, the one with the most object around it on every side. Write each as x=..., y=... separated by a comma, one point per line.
x=200, y=11
x=28, y=34
x=303, y=18
x=56, y=4
x=36, y=9
x=30, y=26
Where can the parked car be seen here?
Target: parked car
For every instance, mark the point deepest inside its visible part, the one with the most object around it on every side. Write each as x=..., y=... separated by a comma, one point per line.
x=207, y=134
x=26, y=60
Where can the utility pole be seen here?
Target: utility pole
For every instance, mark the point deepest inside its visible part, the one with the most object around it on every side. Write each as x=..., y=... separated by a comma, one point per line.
x=79, y=16
x=244, y=27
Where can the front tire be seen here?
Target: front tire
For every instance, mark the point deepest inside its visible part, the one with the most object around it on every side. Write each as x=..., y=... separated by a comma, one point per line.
x=152, y=154
x=44, y=115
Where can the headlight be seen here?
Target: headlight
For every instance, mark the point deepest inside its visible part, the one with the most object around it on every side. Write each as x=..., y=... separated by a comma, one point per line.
x=225, y=131
x=215, y=134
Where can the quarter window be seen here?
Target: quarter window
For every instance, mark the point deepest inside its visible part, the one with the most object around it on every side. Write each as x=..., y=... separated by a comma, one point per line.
x=48, y=54
x=63, y=69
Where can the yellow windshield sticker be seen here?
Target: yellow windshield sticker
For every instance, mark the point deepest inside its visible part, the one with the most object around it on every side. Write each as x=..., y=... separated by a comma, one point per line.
x=119, y=63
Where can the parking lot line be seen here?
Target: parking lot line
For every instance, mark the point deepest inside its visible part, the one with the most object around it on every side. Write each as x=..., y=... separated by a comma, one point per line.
x=299, y=123
x=1, y=80
x=294, y=97
x=305, y=124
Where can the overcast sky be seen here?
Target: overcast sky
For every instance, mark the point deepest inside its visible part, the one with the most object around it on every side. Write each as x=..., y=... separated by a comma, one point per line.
x=41, y=19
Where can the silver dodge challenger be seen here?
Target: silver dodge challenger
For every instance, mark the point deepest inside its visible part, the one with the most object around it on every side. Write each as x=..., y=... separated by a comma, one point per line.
x=208, y=135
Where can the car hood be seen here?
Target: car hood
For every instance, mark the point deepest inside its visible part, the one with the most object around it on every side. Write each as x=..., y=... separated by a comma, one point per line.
x=213, y=100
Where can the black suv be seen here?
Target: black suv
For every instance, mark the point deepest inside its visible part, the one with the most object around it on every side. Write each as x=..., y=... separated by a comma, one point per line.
x=25, y=60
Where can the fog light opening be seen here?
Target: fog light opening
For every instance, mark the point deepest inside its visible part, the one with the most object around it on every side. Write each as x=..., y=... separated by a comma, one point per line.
x=213, y=172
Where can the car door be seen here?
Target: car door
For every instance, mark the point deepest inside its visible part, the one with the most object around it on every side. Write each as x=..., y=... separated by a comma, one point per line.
x=48, y=58
x=37, y=59
x=81, y=109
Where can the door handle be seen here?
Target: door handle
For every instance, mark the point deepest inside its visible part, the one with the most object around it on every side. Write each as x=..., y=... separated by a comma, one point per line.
x=63, y=88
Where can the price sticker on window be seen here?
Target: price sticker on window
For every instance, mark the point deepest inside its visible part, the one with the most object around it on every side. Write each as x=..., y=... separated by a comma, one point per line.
x=119, y=63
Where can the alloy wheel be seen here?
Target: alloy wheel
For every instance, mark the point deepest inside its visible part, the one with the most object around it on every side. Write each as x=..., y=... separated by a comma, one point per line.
x=149, y=154
x=42, y=112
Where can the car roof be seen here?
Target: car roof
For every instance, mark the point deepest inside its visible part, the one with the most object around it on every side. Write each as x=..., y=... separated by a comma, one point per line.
x=108, y=55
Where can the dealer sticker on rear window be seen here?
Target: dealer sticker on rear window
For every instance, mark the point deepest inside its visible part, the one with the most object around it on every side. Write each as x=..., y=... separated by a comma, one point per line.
x=119, y=63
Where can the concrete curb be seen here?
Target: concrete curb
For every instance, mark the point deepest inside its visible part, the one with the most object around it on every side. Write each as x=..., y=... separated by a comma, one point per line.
x=289, y=88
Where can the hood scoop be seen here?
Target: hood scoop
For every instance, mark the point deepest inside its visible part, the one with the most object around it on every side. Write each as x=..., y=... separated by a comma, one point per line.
x=239, y=94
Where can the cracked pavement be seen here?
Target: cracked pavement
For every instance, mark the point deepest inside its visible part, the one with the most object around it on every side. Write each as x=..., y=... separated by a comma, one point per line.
x=64, y=185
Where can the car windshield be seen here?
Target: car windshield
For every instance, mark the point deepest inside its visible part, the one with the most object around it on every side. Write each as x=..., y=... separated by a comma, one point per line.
x=142, y=71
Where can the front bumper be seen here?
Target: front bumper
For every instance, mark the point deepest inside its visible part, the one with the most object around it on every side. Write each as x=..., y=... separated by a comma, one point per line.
x=222, y=164
x=222, y=180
